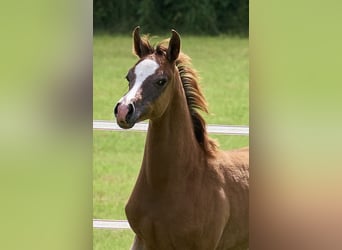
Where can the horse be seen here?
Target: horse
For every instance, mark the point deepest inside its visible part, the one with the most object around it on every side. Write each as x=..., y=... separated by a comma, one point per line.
x=189, y=194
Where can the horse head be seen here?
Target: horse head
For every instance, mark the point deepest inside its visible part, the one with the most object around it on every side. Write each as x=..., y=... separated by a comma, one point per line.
x=150, y=81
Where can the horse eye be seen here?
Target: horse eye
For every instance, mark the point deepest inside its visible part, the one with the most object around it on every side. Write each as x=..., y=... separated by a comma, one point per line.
x=161, y=82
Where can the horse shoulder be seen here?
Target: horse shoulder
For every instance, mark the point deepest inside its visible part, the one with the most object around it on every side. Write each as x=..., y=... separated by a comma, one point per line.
x=234, y=166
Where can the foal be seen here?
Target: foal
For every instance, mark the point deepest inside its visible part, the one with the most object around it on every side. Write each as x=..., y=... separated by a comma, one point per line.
x=189, y=194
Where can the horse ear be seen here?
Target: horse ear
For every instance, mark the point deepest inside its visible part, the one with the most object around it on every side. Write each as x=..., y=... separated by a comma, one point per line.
x=174, y=46
x=141, y=47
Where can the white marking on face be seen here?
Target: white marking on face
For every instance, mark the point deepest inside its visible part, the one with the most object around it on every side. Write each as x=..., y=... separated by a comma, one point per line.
x=142, y=70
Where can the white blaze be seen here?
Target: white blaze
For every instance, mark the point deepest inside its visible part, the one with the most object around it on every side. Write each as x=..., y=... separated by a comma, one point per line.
x=142, y=70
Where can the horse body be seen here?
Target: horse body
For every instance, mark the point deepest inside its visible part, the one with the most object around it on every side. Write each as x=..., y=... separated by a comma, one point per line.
x=202, y=210
x=187, y=196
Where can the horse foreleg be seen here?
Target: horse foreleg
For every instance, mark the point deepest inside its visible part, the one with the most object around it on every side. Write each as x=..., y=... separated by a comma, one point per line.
x=137, y=244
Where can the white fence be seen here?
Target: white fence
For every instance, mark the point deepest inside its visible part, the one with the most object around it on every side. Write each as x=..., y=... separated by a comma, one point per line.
x=110, y=224
x=142, y=127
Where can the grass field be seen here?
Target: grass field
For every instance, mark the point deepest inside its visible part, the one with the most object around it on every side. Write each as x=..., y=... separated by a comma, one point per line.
x=223, y=66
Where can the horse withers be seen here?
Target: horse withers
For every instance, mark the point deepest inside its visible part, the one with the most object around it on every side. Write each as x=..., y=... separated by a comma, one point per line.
x=189, y=194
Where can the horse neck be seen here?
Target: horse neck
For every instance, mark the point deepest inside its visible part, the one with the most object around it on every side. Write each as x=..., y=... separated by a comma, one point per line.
x=171, y=151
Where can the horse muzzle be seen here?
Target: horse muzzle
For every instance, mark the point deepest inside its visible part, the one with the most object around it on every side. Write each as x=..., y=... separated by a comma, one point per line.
x=125, y=114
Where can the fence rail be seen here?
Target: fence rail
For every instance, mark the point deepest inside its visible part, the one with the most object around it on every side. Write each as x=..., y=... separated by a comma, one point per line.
x=142, y=127
x=111, y=224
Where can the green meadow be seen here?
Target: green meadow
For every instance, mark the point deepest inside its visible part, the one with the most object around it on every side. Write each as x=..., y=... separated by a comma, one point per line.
x=222, y=63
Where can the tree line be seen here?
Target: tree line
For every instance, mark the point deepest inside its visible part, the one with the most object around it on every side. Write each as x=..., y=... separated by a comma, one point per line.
x=210, y=17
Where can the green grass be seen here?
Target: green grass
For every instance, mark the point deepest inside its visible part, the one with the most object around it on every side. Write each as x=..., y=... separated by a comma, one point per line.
x=113, y=240
x=223, y=66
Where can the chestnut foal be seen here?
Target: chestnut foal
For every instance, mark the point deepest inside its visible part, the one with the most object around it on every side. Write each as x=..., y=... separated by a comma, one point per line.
x=189, y=194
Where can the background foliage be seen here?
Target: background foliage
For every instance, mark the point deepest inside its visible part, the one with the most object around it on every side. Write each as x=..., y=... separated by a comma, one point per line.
x=209, y=17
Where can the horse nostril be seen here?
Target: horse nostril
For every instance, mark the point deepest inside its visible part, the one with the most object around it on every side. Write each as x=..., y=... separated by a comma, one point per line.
x=116, y=108
x=130, y=111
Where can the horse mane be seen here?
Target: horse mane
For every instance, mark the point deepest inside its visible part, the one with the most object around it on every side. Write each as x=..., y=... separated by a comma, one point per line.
x=196, y=102
x=195, y=99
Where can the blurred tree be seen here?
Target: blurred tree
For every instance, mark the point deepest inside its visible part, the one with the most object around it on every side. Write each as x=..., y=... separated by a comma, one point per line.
x=190, y=16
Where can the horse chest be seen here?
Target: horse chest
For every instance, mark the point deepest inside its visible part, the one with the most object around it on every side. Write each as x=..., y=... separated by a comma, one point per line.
x=145, y=212
x=164, y=219
x=173, y=223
